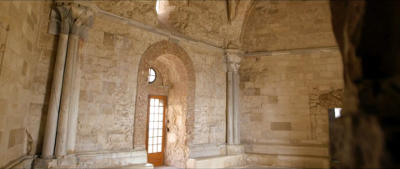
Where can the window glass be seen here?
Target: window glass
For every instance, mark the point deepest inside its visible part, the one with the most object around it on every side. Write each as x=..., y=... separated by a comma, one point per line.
x=155, y=125
x=152, y=75
x=338, y=112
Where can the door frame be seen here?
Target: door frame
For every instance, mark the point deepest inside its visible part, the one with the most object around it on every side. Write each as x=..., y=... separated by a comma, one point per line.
x=165, y=99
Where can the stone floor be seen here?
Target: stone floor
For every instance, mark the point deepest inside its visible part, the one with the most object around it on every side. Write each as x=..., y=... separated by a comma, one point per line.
x=165, y=167
x=248, y=166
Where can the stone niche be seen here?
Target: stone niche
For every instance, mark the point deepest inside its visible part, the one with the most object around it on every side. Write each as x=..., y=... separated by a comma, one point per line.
x=175, y=79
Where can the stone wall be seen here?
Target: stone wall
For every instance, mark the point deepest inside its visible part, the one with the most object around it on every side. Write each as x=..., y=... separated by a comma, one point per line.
x=285, y=97
x=210, y=99
x=178, y=70
x=109, y=68
x=206, y=21
x=281, y=25
x=110, y=61
x=26, y=62
x=284, y=94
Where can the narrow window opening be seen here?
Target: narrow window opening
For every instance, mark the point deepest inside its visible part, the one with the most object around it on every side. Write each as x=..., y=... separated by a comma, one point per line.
x=338, y=112
x=152, y=75
x=334, y=134
x=158, y=6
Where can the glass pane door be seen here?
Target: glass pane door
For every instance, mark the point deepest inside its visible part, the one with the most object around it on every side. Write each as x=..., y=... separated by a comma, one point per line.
x=155, y=125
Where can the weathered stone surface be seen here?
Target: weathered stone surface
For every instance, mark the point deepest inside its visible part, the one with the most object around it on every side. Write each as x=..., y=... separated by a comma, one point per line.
x=285, y=94
x=96, y=160
x=110, y=61
x=178, y=86
x=108, y=87
x=296, y=90
x=143, y=11
x=16, y=137
x=276, y=161
x=282, y=126
x=206, y=21
x=280, y=25
x=3, y=42
x=24, y=70
x=218, y=162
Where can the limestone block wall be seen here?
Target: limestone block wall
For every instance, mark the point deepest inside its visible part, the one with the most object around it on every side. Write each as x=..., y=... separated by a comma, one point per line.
x=285, y=97
x=110, y=60
x=210, y=94
x=201, y=20
x=109, y=65
x=26, y=62
x=282, y=25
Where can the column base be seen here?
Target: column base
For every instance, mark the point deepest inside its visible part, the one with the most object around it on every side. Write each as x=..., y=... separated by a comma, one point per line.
x=234, y=149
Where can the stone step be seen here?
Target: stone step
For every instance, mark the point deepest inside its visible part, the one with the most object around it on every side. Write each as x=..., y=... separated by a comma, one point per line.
x=217, y=161
x=144, y=166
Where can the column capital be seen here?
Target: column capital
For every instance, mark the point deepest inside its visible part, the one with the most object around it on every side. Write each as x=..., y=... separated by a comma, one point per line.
x=70, y=18
x=233, y=58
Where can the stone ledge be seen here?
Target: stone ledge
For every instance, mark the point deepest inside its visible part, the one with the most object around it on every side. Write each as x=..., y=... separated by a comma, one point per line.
x=144, y=166
x=287, y=161
x=234, y=149
x=95, y=160
x=217, y=161
x=316, y=151
x=207, y=150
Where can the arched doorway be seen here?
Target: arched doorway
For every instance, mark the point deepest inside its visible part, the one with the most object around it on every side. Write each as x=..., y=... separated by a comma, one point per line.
x=175, y=80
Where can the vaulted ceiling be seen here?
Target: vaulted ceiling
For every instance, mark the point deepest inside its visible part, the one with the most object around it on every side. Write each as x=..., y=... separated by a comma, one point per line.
x=251, y=25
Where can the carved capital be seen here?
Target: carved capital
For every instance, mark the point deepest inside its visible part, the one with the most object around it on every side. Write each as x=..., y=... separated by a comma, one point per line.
x=233, y=58
x=60, y=20
x=70, y=18
x=83, y=20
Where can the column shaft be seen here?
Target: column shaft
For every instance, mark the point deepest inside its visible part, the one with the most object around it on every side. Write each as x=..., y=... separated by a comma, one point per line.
x=66, y=98
x=233, y=112
x=74, y=107
x=54, y=102
x=71, y=21
x=230, y=108
x=236, y=108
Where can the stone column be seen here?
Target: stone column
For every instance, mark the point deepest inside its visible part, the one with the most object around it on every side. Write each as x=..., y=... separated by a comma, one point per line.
x=68, y=116
x=233, y=80
x=60, y=15
x=78, y=33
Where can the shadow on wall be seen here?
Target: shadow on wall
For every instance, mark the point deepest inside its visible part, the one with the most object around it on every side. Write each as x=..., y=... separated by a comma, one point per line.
x=369, y=38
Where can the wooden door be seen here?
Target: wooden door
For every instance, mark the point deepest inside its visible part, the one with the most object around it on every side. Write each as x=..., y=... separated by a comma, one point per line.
x=155, y=140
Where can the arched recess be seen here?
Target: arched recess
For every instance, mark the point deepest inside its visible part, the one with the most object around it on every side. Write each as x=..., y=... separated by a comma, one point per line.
x=178, y=83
